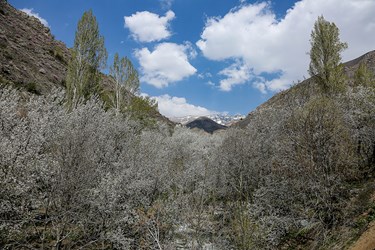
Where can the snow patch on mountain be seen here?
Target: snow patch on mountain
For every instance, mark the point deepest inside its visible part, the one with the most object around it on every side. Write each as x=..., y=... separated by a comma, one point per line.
x=220, y=118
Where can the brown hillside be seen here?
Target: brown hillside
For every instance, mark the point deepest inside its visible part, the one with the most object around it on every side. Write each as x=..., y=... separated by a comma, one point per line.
x=367, y=239
x=29, y=53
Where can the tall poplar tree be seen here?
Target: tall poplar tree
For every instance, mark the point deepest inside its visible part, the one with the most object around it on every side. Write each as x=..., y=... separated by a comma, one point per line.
x=125, y=77
x=325, y=55
x=89, y=56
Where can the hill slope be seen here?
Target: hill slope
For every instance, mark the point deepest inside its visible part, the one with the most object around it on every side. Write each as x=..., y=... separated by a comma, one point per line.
x=300, y=93
x=29, y=53
x=31, y=58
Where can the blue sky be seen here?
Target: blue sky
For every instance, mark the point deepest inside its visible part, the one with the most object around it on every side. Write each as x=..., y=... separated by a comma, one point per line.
x=204, y=56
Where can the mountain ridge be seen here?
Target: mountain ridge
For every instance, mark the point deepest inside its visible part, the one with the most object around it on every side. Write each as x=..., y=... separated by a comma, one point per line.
x=220, y=118
x=206, y=124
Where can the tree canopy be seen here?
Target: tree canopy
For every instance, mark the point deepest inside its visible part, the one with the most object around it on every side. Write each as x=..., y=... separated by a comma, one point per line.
x=125, y=77
x=325, y=55
x=88, y=57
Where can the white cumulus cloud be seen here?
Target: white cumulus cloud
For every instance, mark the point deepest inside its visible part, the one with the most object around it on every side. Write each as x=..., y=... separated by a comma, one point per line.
x=148, y=27
x=167, y=63
x=173, y=107
x=237, y=73
x=252, y=33
x=31, y=12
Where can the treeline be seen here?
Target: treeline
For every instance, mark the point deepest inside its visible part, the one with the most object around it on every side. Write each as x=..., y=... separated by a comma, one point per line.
x=93, y=177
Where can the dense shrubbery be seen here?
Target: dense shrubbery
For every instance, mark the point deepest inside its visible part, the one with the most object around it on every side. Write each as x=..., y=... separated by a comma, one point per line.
x=89, y=178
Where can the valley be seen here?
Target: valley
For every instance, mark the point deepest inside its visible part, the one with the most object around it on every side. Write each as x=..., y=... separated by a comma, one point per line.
x=92, y=164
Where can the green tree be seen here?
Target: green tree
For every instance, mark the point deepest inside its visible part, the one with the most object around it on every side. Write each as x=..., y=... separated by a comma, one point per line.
x=143, y=110
x=125, y=77
x=364, y=77
x=88, y=57
x=325, y=55
x=318, y=158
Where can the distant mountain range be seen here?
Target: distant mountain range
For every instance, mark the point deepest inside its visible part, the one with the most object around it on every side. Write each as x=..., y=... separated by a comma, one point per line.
x=206, y=124
x=222, y=119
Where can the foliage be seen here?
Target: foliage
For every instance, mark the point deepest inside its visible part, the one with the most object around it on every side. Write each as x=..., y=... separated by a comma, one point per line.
x=360, y=105
x=244, y=230
x=88, y=57
x=125, y=74
x=143, y=109
x=325, y=56
x=325, y=160
x=239, y=176
x=126, y=78
x=32, y=87
x=363, y=76
x=57, y=52
x=89, y=178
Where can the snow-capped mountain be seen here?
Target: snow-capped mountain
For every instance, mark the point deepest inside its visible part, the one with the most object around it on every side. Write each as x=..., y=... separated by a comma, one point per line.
x=220, y=118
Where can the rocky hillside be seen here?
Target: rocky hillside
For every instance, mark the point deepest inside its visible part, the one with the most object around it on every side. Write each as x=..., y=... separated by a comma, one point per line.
x=31, y=59
x=299, y=93
x=30, y=56
x=205, y=124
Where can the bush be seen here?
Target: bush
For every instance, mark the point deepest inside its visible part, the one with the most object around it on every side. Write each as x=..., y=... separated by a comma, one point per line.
x=57, y=52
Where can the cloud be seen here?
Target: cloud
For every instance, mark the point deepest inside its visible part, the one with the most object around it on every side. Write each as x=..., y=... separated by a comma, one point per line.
x=31, y=12
x=166, y=4
x=253, y=34
x=148, y=27
x=261, y=86
x=167, y=63
x=237, y=73
x=173, y=107
x=204, y=75
x=211, y=84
